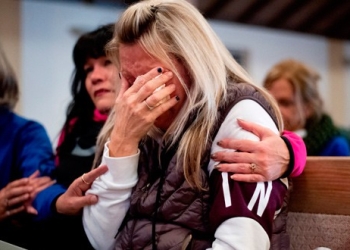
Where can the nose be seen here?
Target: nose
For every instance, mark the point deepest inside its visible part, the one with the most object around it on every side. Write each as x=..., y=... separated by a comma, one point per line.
x=98, y=74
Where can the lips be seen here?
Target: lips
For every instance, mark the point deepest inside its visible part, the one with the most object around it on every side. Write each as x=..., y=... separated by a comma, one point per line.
x=101, y=92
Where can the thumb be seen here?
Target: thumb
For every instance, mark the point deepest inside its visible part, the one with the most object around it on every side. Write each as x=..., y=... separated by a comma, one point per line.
x=258, y=130
x=89, y=199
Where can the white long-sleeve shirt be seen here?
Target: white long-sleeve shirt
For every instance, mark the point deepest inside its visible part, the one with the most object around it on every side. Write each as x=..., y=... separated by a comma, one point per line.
x=102, y=220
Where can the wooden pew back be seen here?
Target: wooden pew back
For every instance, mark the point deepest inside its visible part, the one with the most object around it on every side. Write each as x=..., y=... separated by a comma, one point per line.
x=319, y=208
x=323, y=187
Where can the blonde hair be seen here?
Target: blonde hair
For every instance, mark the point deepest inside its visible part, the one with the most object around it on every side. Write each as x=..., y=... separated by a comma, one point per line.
x=175, y=29
x=304, y=81
x=9, y=91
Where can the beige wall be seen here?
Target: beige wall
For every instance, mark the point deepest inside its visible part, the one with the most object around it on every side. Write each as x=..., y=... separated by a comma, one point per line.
x=337, y=82
x=10, y=35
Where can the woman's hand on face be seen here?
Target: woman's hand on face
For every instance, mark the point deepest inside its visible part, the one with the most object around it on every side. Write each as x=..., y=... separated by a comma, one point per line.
x=74, y=199
x=137, y=107
x=254, y=161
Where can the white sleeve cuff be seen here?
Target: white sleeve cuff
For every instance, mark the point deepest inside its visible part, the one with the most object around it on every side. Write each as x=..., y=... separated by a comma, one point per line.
x=121, y=169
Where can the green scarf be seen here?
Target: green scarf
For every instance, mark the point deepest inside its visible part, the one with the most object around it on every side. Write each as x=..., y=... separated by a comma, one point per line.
x=319, y=134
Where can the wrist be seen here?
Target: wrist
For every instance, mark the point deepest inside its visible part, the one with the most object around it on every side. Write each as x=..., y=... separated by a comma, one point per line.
x=290, y=166
x=120, y=148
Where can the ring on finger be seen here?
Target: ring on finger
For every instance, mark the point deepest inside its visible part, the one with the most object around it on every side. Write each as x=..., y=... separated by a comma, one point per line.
x=83, y=179
x=252, y=167
x=148, y=106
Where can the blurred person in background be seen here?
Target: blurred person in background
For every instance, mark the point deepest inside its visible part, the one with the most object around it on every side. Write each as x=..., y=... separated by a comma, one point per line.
x=295, y=87
x=26, y=160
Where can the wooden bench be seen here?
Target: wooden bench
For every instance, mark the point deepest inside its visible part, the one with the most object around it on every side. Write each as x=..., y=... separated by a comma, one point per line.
x=319, y=208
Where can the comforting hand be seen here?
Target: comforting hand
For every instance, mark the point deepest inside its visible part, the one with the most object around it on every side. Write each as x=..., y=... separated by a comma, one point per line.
x=74, y=199
x=254, y=161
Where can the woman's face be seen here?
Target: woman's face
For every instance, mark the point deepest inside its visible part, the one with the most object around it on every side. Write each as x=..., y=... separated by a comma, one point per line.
x=282, y=90
x=135, y=62
x=101, y=82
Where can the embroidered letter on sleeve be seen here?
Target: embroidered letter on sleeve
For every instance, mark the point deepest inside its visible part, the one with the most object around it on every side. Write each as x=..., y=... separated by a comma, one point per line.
x=264, y=197
x=226, y=189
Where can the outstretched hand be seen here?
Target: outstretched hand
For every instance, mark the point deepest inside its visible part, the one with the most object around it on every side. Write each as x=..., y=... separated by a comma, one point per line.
x=13, y=196
x=38, y=184
x=74, y=199
x=18, y=195
x=269, y=156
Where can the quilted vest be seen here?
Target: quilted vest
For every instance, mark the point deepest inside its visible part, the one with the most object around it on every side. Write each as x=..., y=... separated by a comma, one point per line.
x=165, y=212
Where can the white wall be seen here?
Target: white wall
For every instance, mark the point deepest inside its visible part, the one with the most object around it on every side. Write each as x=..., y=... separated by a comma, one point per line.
x=265, y=47
x=47, y=43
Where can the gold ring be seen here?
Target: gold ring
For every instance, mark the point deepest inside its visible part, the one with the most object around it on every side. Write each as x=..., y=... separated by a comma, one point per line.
x=82, y=178
x=148, y=106
x=252, y=167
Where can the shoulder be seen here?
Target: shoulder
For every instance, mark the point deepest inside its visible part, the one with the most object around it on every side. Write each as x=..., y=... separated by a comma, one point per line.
x=244, y=91
x=26, y=129
x=19, y=123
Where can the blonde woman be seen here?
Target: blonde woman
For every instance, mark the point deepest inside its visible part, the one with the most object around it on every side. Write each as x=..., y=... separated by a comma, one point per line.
x=295, y=87
x=181, y=93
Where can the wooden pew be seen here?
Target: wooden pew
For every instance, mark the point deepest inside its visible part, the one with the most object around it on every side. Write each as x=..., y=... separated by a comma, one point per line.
x=319, y=208
x=323, y=187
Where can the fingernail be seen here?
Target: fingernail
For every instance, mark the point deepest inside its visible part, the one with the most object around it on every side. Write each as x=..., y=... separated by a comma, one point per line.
x=159, y=70
x=120, y=75
x=213, y=156
x=219, y=143
x=177, y=98
x=217, y=166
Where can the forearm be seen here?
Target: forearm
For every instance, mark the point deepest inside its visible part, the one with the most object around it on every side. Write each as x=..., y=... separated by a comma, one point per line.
x=102, y=220
x=36, y=151
x=43, y=201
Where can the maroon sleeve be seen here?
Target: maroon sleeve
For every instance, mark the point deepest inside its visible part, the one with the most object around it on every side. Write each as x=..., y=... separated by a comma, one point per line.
x=258, y=201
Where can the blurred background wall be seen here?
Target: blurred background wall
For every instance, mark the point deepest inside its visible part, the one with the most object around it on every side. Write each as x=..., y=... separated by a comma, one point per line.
x=38, y=37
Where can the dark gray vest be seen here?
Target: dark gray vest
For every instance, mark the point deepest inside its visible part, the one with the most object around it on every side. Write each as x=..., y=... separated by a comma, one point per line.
x=165, y=212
